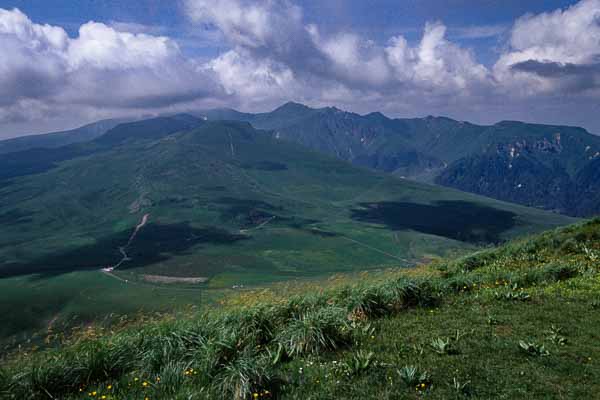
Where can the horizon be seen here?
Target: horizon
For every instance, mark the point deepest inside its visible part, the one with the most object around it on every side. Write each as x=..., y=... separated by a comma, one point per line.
x=84, y=61
x=192, y=112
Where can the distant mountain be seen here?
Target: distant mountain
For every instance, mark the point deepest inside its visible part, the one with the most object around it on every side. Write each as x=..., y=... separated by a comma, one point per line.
x=38, y=159
x=546, y=166
x=536, y=165
x=57, y=139
x=229, y=204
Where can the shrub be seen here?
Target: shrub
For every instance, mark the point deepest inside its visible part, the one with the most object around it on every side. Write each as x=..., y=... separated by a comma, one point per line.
x=555, y=335
x=423, y=293
x=513, y=294
x=461, y=283
x=443, y=346
x=414, y=377
x=323, y=329
x=461, y=388
x=555, y=272
x=5, y=387
x=533, y=349
x=247, y=375
x=360, y=362
x=369, y=302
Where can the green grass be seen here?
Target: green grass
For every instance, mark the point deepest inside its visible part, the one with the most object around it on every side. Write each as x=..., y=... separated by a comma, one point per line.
x=516, y=322
x=207, y=206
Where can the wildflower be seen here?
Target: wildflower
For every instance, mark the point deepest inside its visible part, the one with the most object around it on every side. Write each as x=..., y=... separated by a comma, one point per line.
x=136, y=379
x=255, y=395
x=145, y=384
x=109, y=387
x=103, y=397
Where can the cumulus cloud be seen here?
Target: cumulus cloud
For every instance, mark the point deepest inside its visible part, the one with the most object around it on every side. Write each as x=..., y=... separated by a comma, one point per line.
x=554, y=52
x=272, y=54
x=102, y=67
x=274, y=34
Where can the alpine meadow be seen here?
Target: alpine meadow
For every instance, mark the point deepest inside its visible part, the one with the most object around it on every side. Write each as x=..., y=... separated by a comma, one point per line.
x=295, y=199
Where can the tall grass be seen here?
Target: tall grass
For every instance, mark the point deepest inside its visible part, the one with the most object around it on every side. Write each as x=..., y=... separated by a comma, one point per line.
x=235, y=353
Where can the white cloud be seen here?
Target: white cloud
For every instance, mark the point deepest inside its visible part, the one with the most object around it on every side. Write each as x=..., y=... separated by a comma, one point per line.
x=101, y=68
x=272, y=55
x=274, y=32
x=556, y=51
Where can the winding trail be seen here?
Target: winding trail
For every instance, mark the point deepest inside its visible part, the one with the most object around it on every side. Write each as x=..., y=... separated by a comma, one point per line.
x=258, y=226
x=123, y=249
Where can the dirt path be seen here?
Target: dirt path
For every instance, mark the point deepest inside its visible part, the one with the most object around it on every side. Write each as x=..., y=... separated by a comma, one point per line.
x=374, y=249
x=123, y=249
x=258, y=226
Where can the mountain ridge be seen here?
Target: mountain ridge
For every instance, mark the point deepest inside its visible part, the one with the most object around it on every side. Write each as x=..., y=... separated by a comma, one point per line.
x=437, y=149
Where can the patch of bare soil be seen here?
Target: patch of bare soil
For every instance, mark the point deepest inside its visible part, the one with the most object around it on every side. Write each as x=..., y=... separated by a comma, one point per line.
x=173, y=279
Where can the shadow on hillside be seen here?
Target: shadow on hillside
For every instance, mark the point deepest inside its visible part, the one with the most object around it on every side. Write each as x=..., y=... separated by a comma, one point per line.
x=154, y=243
x=15, y=217
x=459, y=220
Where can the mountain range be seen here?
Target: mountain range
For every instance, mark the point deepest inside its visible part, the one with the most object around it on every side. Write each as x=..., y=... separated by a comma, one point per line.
x=101, y=226
x=58, y=139
x=203, y=182
x=546, y=166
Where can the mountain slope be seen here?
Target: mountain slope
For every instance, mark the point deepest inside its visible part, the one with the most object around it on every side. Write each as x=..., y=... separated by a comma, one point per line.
x=37, y=160
x=228, y=185
x=211, y=206
x=58, y=139
x=516, y=322
x=474, y=158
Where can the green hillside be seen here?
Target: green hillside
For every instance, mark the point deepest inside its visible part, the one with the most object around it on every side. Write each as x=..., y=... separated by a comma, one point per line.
x=225, y=206
x=58, y=139
x=530, y=164
x=516, y=322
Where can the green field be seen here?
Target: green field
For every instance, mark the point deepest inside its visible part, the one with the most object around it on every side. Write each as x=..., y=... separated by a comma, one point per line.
x=516, y=322
x=226, y=203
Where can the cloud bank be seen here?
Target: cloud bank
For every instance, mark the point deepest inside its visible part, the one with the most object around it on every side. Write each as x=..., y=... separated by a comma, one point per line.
x=548, y=68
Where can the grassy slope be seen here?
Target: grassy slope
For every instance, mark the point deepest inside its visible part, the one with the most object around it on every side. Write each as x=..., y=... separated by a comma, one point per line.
x=199, y=195
x=57, y=139
x=517, y=322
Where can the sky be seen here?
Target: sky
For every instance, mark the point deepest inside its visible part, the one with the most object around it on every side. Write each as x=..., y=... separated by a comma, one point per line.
x=68, y=62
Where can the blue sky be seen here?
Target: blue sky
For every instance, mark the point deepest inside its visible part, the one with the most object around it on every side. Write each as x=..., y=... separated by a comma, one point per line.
x=378, y=19
x=483, y=61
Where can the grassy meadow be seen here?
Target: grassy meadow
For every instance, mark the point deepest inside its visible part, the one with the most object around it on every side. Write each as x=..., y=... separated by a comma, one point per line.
x=227, y=205
x=519, y=321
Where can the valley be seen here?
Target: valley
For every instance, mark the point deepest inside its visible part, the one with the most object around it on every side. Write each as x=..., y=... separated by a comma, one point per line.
x=213, y=205
x=299, y=199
